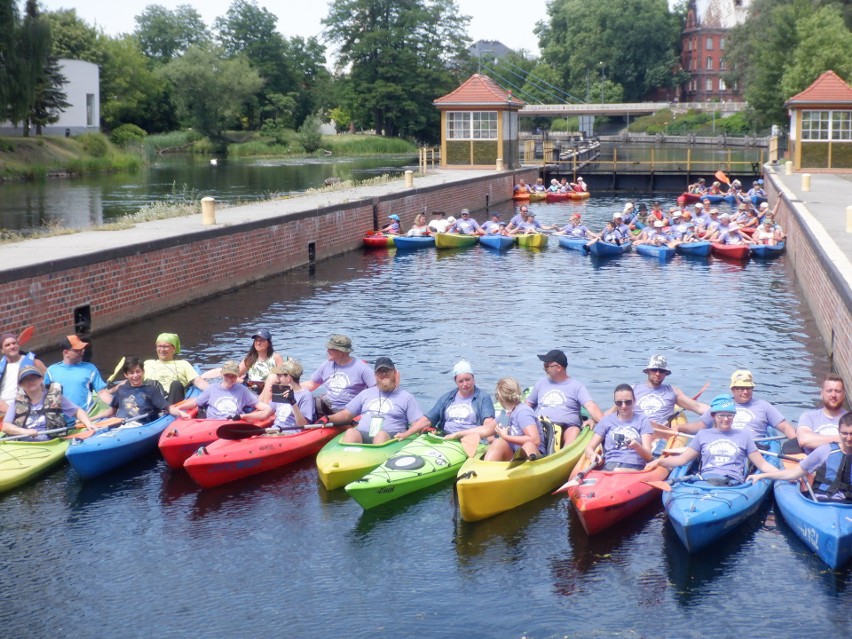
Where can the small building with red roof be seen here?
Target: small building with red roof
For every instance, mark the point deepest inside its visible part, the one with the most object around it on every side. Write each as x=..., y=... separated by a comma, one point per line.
x=821, y=124
x=479, y=125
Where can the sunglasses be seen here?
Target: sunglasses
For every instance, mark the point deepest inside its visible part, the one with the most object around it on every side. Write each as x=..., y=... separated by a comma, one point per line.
x=624, y=402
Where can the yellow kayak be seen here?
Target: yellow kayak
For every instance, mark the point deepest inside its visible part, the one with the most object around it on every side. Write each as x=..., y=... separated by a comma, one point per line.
x=21, y=461
x=486, y=488
x=533, y=240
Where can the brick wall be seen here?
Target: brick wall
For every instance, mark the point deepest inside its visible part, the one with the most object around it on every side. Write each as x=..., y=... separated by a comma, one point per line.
x=825, y=290
x=128, y=283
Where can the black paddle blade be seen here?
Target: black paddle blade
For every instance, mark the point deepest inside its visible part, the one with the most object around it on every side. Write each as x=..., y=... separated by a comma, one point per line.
x=239, y=430
x=518, y=458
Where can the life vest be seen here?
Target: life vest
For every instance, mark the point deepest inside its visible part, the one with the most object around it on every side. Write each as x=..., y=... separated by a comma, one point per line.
x=26, y=360
x=834, y=475
x=51, y=407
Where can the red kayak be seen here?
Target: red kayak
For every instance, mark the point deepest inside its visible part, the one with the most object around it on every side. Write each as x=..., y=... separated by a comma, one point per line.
x=379, y=240
x=563, y=197
x=730, y=251
x=225, y=460
x=185, y=436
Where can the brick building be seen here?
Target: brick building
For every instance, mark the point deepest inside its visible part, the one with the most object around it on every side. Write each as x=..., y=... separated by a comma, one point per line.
x=703, y=48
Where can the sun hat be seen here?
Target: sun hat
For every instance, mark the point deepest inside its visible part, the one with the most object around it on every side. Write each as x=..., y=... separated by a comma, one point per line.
x=764, y=205
x=743, y=379
x=659, y=224
x=292, y=368
x=699, y=205
x=169, y=338
x=617, y=216
x=722, y=404
x=230, y=368
x=659, y=362
x=677, y=214
x=462, y=366
x=28, y=371
x=555, y=356
x=339, y=343
x=451, y=219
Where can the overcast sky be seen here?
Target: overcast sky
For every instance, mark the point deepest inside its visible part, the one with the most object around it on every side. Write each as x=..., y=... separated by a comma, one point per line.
x=510, y=23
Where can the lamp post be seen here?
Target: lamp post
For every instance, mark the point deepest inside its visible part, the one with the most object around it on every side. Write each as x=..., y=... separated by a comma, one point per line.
x=602, y=82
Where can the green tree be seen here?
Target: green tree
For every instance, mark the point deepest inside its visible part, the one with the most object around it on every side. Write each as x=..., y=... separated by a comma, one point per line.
x=634, y=42
x=50, y=97
x=309, y=133
x=210, y=90
x=164, y=35
x=313, y=90
x=8, y=57
x=73, y=39
x=401, y=56
x=32, y=44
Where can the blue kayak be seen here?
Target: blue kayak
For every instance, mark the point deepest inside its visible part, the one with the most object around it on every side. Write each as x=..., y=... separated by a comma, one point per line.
x=109, y=449
x=607, y=249
x=404, y=243
x=766, y=252
x=702, y=513
x=695, y=249
x=825, y=527
x=662, y=253
x=497, y=242
x=574, y=243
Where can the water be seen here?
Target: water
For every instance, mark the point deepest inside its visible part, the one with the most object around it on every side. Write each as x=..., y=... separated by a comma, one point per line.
x=93, y=200
x=143, y=552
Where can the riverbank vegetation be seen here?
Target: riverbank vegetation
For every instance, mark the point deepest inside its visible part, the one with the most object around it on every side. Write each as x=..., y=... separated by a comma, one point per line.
x=44, y=156
x=692, y=122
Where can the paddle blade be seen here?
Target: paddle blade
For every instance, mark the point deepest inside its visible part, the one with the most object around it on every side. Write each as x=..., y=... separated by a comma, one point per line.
x=720, y=175
x=239, y=430
x=662, y=485
x=26, y=335
x=116, y=371
x=564, y=487
x=518, y=458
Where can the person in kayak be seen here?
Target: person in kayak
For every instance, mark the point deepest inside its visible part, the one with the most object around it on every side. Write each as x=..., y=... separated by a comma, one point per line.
x=172, y=376
x=492, y=226
x=465, y=413
x=754, y=415
x=343, y=375
x=11, y=363
x=419, y=228
x=38, y=408
x=255, y=366
x=80, y=380
x=519, y=218
x=385, y=408
x=293, y=405
x=523, y=431
x=820, y=425
x=575, y=229
x=392, y=227
x=723, y=451
x=657, y=400
x=137, y=400
x=560, y=397
x=626, y=435
x=466, y=225
x=229, y=399
x=831, y=463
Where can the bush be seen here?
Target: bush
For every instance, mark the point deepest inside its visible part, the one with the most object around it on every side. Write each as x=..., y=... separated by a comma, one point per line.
x=94, y=144
x=128, y=134
x=309, y=133
x=561, y=124
x=737, y=124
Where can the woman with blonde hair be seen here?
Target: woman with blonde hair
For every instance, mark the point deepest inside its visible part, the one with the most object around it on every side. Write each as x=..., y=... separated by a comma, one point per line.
x=523, y=430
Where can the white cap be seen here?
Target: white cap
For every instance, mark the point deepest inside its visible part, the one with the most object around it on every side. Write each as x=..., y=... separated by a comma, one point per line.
x=628, y=207
x=461, y=367
x=451, y=219
x=764, y=205
x=617, y=216
x=579, y=179
x=677, y=214
x=659, y=224
x=699, y=205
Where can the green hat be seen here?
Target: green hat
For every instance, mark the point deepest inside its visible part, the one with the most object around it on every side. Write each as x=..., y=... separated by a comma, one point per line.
x=170, y=338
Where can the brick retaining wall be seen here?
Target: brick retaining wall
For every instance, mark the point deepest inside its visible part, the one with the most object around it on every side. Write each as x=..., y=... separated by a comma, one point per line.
x=133, y=281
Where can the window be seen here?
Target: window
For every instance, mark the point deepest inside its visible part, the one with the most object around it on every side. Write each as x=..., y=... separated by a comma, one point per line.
x=721, y=84
x=708, y=44
x=722, y=64
x=90, y=109
x=815, y=125
x=841, y=125
x=689, y=45
x=722, y=43
x=709, y=84
x=709, y=63
x=471, y=125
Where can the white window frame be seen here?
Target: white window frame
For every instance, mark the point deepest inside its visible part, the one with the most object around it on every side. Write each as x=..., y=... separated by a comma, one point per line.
x=472, y=125
x=824, y=126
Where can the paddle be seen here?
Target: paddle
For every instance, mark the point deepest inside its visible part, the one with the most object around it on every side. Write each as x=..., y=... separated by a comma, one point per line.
x=666, y=486
x=720, y=175
x=26, y=335
x=44, y=432
x=239, y=430
x=106, y=423
x=518, y=458
x=578, y=480
x=780, y=455
x=116, y=371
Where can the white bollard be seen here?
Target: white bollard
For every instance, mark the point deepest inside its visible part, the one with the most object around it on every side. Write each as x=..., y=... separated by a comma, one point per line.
x=499, y=164
x=788, y=168
x=208, y=211
x=806, y=182
x=849, y=219
x=409, y=179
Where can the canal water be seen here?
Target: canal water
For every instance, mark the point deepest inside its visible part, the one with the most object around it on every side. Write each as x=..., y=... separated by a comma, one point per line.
x=143, y=552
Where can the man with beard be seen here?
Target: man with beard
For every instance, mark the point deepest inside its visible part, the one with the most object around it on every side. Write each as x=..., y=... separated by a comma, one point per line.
x=342, y=375
x=385, y=409
x=819, y=426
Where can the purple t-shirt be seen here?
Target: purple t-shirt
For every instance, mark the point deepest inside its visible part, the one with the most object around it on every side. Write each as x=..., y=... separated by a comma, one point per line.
x=396, y=410
x=559, y=401
x=612, y=425
x=819, y=423
x=284, y=417
x=343, y=382
x=576, y=231
x=223, y=403
x=464, y=226
x=460, y=415
x=756, y=416
x=490, y=227
x=657, y=404
x=38, y=420
x=517, y=220
x=725, y=453
x=529, y=226
x=817, y=458
x=521, y=417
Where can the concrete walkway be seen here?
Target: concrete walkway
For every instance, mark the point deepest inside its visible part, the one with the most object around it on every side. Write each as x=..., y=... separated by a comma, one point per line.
x=47, y=249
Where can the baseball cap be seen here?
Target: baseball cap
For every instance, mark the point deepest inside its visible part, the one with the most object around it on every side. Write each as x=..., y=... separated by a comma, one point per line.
x=230, y=368
x=72, y=342
x=723, y=404
x=384, y=362
x=556, y=356
x=262, y=333
x=28, y=371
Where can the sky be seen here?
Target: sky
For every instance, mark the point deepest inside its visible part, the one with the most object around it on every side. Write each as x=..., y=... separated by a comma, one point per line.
x=511, y=24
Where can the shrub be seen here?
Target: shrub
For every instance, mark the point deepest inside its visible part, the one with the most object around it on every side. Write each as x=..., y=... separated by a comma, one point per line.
x=309, y=133
x=94, y=144
x=128, y=134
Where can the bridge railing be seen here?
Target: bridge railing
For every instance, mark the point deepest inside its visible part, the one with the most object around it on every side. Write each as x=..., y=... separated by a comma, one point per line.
x=624, y=108
x=653, y=164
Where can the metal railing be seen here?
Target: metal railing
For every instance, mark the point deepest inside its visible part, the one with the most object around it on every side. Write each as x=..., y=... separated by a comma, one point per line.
x=681, y=165
x=625, y=108
x=428, y=156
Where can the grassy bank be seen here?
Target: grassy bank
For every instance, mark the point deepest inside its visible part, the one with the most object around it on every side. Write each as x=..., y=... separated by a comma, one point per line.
x=37, y=158
x=695, y=122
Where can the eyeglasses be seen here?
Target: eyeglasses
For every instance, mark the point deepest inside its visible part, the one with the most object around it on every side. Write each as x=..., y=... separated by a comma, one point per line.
x=624, y=402
x=658, y=370
x=725, y=416
x=164, y=347
x=551, y=365
x=741, y=388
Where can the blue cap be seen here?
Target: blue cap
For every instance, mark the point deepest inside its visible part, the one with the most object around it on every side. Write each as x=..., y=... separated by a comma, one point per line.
x=394, y=216
x=263, y=334
x=723, y=404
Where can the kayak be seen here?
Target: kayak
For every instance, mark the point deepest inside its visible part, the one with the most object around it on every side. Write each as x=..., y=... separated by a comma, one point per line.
x=424, y=462
x=379, y=240
x=604, y=498
x=765, y=251
x=537, y=196
x=730, y=251
x=488, y=488
x=227, y=460
x=339, y=463
x=694, y=249
x=404, y=243
x=691, y=198
x=521, y=196
x=21, y=462
x=662, y=253
x=185, y=435
x=574, y=243
x=532, y=240
x=498, y=242
x=110, y=448
x=702, y=513
x=825, y=527
x=454, y=240
x=607, y=249
x=563, y=197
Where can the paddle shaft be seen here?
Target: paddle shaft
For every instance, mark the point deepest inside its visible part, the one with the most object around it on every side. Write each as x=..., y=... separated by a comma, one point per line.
x=44, y=432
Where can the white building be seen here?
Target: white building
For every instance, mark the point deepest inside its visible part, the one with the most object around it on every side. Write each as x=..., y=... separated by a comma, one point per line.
x=82, y=91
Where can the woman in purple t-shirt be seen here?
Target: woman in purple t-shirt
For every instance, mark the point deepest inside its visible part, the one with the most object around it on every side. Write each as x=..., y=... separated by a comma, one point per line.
x=523, y=431
x=626, y=436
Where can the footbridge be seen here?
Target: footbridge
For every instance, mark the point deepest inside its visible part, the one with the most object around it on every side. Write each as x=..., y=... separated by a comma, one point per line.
x=626, y=108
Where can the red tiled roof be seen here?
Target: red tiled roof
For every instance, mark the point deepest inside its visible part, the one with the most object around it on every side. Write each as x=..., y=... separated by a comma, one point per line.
x=829, y=88
x=479, y=90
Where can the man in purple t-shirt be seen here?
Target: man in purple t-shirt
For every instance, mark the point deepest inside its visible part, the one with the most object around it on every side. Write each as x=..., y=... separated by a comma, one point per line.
x=656, y=400
x=819, y=426
x=343, y=375
x=385, y=409
x=229, y=399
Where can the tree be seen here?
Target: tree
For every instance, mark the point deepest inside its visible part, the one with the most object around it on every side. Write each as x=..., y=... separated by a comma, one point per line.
x=164, y=35
x=8, y=58
x=309, y=133
x=313, y=90
x=401, y=56
x=633, y=42
x=50, y=97
x=32, y=44
x=210, y=90
x=72, y=38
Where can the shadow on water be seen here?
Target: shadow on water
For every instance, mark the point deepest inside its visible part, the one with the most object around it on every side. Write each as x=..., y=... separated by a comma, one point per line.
x=415, y=506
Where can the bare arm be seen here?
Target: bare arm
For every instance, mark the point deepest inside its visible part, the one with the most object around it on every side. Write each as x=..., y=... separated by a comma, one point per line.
x=311, y=385
x=787, y=428
x=341, y=417
x=200, y=383
x=688, y=403
x=809, y=439
x=594, y=411
x=590, y=451
x=416, y=427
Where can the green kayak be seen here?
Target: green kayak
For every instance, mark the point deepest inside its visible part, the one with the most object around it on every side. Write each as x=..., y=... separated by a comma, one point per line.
x=424, y=462
x=339, y=464
x=454, y=240
x=21, y=461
